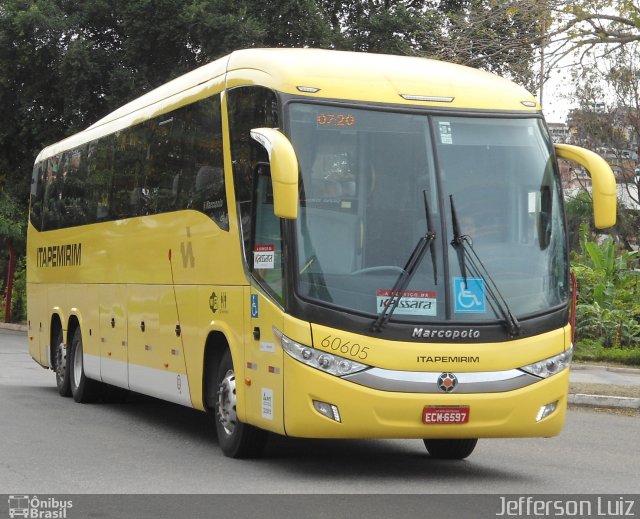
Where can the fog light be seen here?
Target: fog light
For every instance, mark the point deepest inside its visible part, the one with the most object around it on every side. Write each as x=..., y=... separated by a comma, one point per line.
x=328, y=410
x=546, y=410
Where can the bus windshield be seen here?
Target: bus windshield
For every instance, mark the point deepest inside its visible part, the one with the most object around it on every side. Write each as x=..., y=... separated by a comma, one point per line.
x=370, y=178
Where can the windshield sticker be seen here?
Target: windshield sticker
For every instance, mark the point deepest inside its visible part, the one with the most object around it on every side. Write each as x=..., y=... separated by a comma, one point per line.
x=267, y=403
x=412, y=302
x=445, y=132
x=469, y=295
x=264, y=256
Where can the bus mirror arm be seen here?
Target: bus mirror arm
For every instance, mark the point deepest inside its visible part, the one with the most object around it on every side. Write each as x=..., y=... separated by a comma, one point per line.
x=603, y=182
x=284, y=171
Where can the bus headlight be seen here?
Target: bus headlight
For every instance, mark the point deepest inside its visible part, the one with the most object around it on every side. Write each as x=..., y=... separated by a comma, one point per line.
x=332, y=364
x=547, y=367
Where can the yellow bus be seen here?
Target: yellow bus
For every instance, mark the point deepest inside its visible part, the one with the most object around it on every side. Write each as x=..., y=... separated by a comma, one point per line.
x=316, y=244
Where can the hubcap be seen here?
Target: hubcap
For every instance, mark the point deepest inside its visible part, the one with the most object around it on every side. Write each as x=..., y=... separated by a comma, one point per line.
x=227, y=402
x=77, y=364
x=61, y=360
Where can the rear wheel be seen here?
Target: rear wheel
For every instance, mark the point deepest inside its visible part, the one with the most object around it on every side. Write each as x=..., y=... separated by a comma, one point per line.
x=62, y=365
x=236, y=439
x=450, y=449
x=82, y=388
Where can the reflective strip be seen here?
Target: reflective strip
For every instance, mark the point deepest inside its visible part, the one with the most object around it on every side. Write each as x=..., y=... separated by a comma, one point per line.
x=427, y=382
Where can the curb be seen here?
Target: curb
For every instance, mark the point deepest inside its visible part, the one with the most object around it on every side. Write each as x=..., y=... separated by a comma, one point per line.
x=14, y=327
x=615, y=402
x=613, y=369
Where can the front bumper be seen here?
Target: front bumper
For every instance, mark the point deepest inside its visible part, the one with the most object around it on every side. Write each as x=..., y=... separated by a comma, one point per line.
x=374, y=413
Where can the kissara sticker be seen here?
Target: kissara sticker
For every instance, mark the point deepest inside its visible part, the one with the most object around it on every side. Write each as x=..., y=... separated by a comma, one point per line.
x=264, y=256
x=412, y=302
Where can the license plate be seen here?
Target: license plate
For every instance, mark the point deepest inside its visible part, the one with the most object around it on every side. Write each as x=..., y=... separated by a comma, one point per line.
x=447, y=415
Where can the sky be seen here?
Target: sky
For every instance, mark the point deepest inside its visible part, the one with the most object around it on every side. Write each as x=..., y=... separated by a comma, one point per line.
x=557, y=98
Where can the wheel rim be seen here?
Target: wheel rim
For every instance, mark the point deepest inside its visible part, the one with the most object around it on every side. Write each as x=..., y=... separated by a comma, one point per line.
x=77, y=364
x=227, y=402
x=61, y=361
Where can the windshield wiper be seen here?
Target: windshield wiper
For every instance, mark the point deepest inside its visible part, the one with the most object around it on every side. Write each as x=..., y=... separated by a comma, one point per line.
x=410, y=268
x=466, y=253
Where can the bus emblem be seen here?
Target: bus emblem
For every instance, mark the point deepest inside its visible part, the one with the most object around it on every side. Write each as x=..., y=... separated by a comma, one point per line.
x=447, y=382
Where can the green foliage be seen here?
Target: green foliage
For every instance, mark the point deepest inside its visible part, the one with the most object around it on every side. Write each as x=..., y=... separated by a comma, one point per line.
x=592, y=351
x=19, y=297
x=579, y=216
x=612, y=327
x=608, y=309
x=12, y=219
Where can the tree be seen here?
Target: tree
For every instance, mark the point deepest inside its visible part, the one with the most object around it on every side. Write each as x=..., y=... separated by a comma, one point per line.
x=589, y=25
x=608, y=120
x=12, y=239
x=496, y=35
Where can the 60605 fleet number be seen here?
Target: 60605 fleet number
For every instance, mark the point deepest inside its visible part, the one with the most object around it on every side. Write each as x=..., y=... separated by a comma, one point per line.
x=339, y=345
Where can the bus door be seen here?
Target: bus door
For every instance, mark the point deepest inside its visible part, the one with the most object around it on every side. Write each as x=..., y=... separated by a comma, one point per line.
x=263, y=368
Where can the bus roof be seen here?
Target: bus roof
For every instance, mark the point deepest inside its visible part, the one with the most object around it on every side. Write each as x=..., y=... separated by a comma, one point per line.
x=326, y=74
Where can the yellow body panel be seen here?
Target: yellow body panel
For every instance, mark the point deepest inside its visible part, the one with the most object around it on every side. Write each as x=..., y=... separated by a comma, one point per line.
x=424, y=356
x=376, y=78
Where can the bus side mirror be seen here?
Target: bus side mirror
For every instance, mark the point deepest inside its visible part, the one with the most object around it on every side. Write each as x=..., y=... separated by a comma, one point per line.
x=284, y=171
x=603, y=182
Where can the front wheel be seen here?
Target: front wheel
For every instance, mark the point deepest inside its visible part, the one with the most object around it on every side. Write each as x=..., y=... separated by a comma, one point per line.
x=82, y=388
x=236, y=439
x=450, y=449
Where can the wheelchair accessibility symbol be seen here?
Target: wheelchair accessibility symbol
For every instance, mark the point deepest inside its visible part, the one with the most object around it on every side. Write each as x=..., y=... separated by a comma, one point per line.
x=254, y=306
x=469, y=299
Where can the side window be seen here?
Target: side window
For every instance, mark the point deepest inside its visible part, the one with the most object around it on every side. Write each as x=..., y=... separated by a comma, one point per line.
x=267, y=242
x=37, y=194
x=169, y=163
x=202, y=187
x=74, y=198
x=100, y=156
x=52, y=206
x=249, y=107
x=125, y=196
x=172, y=162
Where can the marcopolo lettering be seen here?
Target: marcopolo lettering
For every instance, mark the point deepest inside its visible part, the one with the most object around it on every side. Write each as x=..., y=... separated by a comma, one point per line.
x=445, y=333
x=68, y=255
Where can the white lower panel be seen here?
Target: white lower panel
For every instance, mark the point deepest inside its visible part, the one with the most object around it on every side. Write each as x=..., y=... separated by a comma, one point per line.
x=173, y=387
x=115, y=372
x=166, y=385
x=91, y=364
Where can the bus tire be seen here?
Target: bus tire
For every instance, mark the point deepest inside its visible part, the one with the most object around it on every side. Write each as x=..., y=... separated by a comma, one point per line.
x=450, y=449
x=83, y=389
x=236, y=439
x=61, y=365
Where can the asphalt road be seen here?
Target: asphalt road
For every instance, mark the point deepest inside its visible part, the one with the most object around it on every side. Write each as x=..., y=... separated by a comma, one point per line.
x=52, y=445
